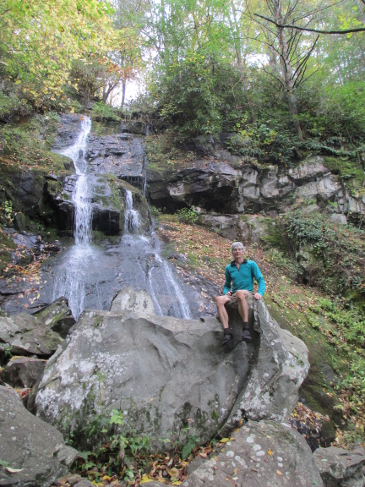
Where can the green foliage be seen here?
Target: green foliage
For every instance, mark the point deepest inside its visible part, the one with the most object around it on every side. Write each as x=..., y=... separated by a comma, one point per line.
x=334, y=256
x=191, y=443
x=187, y=215
x=104, y=111
x=30, y=143
x=11, y=105
x=195, y=94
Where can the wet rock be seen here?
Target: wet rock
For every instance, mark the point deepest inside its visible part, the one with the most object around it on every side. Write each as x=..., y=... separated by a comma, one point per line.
x=340, y=468
x=23, y=334
x=130, y=300
x=114, y=163
x=36, y=449
x=57, y=316
x=263, y=453
x=68, y=130
x=162, y=371
x=23, y=372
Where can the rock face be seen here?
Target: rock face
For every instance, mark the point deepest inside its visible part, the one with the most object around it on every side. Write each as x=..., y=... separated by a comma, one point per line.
x=166, y=373
x=116, y=163
x=36, y=449
x=263, y=454
x=229, y=185
x=41, y=335
x=340, y=468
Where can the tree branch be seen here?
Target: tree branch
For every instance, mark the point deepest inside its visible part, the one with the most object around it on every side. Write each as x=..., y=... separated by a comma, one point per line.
x=341, y=32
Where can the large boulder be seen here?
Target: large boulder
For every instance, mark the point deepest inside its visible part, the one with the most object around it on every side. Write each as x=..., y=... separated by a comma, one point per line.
x=41, y=334
x=340, y=468
x=32, y=452
x=23, y=372
x=262, y=454
x=166, y=373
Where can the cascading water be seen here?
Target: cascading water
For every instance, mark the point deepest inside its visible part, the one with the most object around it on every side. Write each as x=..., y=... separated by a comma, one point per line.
x=155, y=285
x=80, y=196
x=89, y=275
x=70, y=281
x=160, y=279
x=131, y=215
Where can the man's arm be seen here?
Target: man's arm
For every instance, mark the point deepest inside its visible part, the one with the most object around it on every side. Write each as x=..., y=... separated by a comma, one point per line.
x=259, y=278
x=228, y=281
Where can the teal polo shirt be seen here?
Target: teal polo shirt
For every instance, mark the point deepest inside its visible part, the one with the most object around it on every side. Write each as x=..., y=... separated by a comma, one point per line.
x=243, y=277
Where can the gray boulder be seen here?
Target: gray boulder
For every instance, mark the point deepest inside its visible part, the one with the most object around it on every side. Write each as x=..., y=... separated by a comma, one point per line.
x=340, y=468
x=23, y=334
x=263, y=454
x=166, y=373
x=33, y=453
x=23, y=372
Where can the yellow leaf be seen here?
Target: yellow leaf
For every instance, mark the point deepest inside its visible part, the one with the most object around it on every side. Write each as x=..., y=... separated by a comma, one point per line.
x=145, y=479
x=279, y=473
x=224, y=440
x=270, y=452
x=177, y=482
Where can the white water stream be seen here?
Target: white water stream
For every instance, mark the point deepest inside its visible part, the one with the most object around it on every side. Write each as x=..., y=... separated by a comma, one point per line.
x=89, y=275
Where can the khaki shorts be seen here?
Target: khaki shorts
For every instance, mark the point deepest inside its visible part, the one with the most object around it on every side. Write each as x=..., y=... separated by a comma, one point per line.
x=234, y=297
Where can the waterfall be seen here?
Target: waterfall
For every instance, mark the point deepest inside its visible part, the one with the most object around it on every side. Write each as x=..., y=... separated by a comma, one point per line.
x=131, y=222
x=160, y=281
x=70, y=281
x=89, y=276
x=80, y=196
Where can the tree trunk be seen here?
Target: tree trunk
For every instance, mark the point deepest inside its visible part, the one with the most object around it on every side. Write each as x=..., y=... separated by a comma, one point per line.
x=287, y=76
x=124, y=83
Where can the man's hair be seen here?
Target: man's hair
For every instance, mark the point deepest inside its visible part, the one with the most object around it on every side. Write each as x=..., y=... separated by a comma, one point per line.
x=237, y=245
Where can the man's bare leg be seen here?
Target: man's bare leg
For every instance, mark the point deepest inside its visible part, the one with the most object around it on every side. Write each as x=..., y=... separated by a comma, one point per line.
x=242, y=304
x=243, y=311
x=223, y=316
x=222, y=312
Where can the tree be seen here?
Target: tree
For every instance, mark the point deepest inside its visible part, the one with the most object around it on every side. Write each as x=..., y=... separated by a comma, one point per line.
x=291, y=47
x=39, y=40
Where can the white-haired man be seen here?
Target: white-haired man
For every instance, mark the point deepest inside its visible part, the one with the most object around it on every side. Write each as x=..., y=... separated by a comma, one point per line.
x=240, y=275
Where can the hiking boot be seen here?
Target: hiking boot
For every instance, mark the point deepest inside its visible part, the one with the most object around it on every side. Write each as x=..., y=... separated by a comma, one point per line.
x=228, y=336
x=246, y=335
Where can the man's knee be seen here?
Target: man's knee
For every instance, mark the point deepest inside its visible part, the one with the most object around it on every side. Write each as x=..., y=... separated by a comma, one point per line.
x=241, y=294
x=221, y=300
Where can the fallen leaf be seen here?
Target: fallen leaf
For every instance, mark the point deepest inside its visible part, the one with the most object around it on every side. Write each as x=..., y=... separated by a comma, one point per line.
x=270, y=452
x=14, y=470
x=224, y=440
x=145, y=479
x=279, y=473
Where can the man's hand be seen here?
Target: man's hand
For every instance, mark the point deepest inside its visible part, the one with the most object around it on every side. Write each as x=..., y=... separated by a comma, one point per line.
x=257, y=296
x=229, y=293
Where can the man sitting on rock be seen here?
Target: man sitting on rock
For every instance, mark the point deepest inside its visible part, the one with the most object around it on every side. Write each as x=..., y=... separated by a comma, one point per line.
x=240, y=274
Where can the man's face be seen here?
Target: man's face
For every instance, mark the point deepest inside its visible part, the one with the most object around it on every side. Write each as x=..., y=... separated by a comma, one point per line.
x=237, y=252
